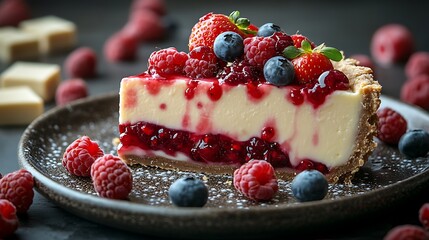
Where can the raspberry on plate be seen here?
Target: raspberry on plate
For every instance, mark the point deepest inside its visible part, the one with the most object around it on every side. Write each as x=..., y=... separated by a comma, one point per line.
x=392, y=43
x=391, y=125
x=157, y=6
x=12, y=12
x=417, y=64
x=70, y=90
x=80, y=155
x=81, y=63
x=8, y=218
x=120, y=47
x=309, y=185
x=111, y=177
x=17, y=187
x=144, y=25
x=406, y=232
x=416, y=91
x=256, y=180
x=188, y=192
x=424, y=215
x=167, y=61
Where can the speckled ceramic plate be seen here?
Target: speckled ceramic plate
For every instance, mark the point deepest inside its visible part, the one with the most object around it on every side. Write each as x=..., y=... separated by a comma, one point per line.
x=386, y=180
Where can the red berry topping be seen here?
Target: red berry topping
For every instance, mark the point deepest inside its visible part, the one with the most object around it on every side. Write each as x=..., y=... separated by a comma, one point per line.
x=418, y=64
x=407, y=232
x=8, y=218
x=12, y=12
x=364, y=60
x=424, y=215
x=298, y=38
x=167, y=61
x=391, y=43
x=81, y=63
x=309, y=63
x=202, y=63
x=258, y=50
x=391, y=125
x=256, y=180
x=157, y=6
x=120, y=47
x=80, y=155
x=239, y=72
x=211, y=25
x=282, y=41
x=17, y=187
x=416, y=91
x=71, y=90
x=111, y=177
x=144, y=25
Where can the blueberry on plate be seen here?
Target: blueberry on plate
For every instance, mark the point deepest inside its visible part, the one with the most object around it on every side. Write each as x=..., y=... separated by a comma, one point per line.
x=188, y=192
x=279, y=71
x=268, y=29
x=414, y=143
x=228, y=46
x=309, y=185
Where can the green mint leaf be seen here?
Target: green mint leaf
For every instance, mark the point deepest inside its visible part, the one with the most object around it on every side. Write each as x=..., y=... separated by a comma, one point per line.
x=292, y=52
x=332, y=53
x=243, y=23
x=234, y=16
x=306, y=46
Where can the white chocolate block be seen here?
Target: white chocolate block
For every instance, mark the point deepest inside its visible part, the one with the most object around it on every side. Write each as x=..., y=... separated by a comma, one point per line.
x=54, y=33
x=43, y=78
x=19, y=105
x=16, y=44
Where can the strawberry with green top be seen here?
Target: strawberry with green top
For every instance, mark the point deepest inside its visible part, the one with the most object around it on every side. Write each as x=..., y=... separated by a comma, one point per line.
x=310, y=63
x=211, y=25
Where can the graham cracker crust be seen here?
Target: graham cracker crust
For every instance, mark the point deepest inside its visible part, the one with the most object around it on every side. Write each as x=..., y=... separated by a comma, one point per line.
x=361, y=80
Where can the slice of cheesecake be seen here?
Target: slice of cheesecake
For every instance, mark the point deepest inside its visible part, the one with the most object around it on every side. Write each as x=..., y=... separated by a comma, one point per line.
x=202, y=125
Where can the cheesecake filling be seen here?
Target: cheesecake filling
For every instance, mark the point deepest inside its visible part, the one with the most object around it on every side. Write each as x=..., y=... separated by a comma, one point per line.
x=242, y=115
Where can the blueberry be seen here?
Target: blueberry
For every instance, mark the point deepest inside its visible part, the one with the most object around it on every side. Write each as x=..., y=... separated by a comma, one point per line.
x=309, y=185
x=228, y=46
x=188, y=192
x=268, y=29
x=414, y=143
x=279, y=71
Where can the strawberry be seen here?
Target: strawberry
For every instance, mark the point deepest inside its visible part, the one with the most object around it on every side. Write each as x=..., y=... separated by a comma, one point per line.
x=212, y=24
x=310, y=63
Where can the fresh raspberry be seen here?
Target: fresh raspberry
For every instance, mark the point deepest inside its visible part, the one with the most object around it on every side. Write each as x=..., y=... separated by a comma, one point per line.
x=111, y=177
x=298, y=38
x=81, y=63
x=167, y=61
x=71, y=90
x=144, y=25
x=80, y=155
x=8, y=218
x=157, y=6
x=416, y=91
x=282, y=41
x=17, y=187
x=391, y=125
x=364, y=60
x=424, y=215
x=202, y=63
x=121, y=47
x=258, y=50
x=391, y=43
x=239, y=72
x=418, y=64
x=256, y=180
x=12, y=12
x=407, y=232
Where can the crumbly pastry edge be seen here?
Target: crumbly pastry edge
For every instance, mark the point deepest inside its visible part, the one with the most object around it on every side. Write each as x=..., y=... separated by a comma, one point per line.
x=361, y=79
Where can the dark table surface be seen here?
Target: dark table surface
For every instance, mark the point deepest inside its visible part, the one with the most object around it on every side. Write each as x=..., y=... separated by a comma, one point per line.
x=345, y=25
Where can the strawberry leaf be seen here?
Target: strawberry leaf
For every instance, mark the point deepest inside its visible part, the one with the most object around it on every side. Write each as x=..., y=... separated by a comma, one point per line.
x=306, y=46
x=242, y=23
x=292, y=52
x=234, y=16
x=332, y=53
